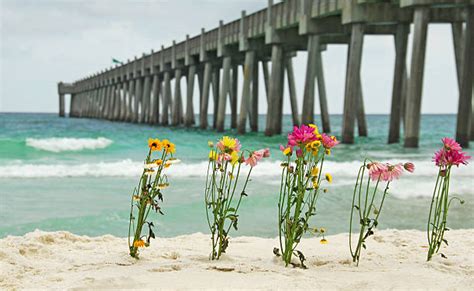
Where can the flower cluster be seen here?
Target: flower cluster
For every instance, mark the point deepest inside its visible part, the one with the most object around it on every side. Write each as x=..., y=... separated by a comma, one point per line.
x=367, y=204
x=307, y=138
x=301, y=184
x=224, y=169
x=148, y=194
x=387, y=172
x=450, y=154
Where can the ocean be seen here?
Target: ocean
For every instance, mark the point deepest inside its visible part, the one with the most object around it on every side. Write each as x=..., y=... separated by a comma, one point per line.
x=78, y=174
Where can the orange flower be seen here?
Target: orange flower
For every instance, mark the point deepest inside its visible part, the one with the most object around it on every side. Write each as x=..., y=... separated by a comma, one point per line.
x=139, y=243
x=154, y=144
x=168, y=146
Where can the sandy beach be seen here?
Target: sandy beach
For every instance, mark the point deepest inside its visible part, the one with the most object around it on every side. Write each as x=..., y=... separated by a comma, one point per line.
x=394, y=260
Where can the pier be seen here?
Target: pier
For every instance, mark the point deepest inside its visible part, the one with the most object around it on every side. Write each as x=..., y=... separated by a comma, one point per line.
x=265, y=42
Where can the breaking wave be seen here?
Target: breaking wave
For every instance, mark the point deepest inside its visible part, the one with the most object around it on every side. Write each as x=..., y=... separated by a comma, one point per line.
x=63, y=144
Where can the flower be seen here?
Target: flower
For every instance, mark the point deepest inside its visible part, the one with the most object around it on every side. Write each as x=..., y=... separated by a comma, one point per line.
x=150, y=166
x=392, y=172
x=228, y=144
x=327, y=151
x=257, y=156
x=315, y=127
x=139, y=243
x=323, y=241
x=444, y=158
x=210, y=144
x=410, y=167
x=299, y=153
x=315, y=184
x=329, y=177
x=329, y=141
x=158, y=162
x=168, y=146
x=287, y=151
x=173, y=161
x=451, y=144
x=154, y=144
x=376, y=169
x=314, y=171
x=313, y=146
x=322, y=230
x=302, y=135
x=149, y=172
x=162, y=186
x=234, y=157
x=213, y=155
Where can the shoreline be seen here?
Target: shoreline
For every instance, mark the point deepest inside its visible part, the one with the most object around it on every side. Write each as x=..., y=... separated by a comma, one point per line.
x=394, y=259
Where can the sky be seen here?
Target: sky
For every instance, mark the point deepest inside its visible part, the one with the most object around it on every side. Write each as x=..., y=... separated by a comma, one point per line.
x=44, y=42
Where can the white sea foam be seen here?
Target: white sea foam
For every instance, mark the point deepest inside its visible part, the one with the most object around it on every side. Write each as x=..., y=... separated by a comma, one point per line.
x=418, y=184
x=68, y=144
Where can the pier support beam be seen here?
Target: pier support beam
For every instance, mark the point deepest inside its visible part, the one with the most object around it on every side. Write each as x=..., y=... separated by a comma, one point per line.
x=166, y=98
x=323, y=103
x=465, y=95
x=233, y=95
x=215, y=93
x=138, y=97
x=275, y=97
x=155, y=100
x=401, y=42
x=188, y=121
x=254, y=103
x=176, y=117
x=131, y=92
x=246, y=90
x=352, y=91
x=123, y=106
x=205, y=95
x=146, y=100
x=415, y=84
x=361, y=120
x=225, y=87
x=292, y=90
x=61, y=105
x=307, y=115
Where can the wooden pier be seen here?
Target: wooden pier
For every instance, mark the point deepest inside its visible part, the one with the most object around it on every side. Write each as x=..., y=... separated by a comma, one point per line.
x=140, y=90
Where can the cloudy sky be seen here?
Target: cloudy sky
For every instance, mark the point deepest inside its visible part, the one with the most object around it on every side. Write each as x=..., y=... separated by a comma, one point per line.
x=43, y=42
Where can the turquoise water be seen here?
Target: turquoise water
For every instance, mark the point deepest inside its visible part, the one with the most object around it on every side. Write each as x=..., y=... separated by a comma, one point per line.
x=78, y=174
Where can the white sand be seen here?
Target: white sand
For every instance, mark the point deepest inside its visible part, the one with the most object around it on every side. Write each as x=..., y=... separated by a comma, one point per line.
x=394, y=260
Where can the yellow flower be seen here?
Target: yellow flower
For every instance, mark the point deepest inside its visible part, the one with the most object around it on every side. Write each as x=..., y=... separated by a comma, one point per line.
x=162, y=186
x=316, y=130
x=328, y=152
x=314, y=171
x=210, y=144
x=149, y=172
x=136, y=197
x=158, y=162
x=139, y=243
x=329, y=177
x=315, y=184
x=154, y=144
x=322, y=230
x=228, y=142
x=287, y=151
x=323, y=241
x=212, y=155
x=234, y=157
x=168, y=146
x=167, y=164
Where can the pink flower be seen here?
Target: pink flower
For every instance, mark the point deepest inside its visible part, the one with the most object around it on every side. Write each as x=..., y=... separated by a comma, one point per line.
x=257, y=156
x=301, y=135
x=392, y=172
x=329, y=141
x=451, y=144
x=299, y=153
x=410, y=167
x=444, y=158
x=376, y=170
